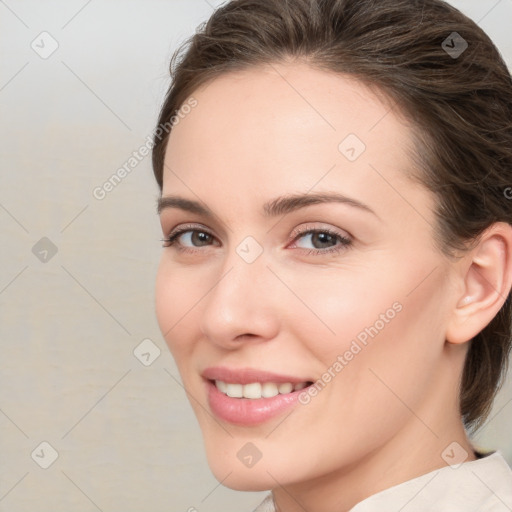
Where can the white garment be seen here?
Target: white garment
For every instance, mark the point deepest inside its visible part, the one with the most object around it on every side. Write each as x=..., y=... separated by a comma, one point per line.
x=482, y=485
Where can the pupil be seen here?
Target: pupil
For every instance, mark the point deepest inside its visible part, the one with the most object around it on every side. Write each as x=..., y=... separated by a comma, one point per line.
x=322, y=238
x=200, y=237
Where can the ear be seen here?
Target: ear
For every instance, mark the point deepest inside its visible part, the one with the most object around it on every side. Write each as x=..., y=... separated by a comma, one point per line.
x=487, y=280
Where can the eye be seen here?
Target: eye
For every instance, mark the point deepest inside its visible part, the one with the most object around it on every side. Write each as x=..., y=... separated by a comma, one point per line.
x=187, y=238
x=322, y=240
x=191, y=238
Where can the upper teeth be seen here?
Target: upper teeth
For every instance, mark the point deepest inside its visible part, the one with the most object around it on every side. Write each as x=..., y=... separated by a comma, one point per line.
x=257, y=389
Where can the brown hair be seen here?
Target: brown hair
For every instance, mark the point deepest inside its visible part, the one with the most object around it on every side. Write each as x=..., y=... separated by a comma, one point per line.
x=460, y=106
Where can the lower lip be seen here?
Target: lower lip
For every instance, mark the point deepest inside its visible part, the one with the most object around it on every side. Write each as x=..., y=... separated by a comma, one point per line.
x=248, y=411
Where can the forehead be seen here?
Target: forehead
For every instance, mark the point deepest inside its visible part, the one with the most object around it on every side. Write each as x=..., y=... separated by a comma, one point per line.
x=288, y=128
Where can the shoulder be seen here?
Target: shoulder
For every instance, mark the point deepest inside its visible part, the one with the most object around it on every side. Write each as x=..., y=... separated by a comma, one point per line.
x=483, y=485
x=267, y=505
x=494, y=478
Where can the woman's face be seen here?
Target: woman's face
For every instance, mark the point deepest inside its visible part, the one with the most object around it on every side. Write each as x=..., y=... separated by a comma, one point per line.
x=307, y=256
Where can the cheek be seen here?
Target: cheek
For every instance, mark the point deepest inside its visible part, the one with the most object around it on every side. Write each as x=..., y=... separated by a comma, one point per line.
x=176, y=293
x=384, y=355
x=376, y=324
x=165, y=298
x=333, y=307
x=390, y=348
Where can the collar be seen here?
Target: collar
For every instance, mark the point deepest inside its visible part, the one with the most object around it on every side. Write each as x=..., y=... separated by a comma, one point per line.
x=483, y=485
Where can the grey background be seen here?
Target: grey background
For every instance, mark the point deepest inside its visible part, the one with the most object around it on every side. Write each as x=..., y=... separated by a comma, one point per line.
x=124, y=433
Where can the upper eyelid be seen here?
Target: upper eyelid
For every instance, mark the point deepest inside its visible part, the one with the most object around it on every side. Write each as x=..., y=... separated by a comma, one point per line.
x=296, y=232
x=189, y=227
x=310, y=228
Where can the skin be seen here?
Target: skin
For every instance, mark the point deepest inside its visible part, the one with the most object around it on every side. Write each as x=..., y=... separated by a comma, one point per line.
x=393, y=409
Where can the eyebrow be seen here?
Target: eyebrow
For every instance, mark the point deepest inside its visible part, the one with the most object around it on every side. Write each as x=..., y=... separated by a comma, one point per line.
x=278, y=206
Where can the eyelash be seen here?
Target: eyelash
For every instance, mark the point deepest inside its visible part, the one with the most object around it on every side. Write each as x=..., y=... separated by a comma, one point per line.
x=345, y=242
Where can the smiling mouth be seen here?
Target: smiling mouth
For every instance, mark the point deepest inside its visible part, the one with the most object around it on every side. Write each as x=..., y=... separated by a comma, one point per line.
x=258, y=390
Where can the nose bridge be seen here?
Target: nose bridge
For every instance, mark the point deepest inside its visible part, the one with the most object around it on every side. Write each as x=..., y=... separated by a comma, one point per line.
x=241, y=300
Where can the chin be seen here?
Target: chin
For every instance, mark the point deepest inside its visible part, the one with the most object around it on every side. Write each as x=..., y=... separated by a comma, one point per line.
x=249, y=480
x=227, y=464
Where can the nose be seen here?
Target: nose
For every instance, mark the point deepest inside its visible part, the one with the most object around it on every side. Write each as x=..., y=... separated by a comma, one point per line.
x=242, y=305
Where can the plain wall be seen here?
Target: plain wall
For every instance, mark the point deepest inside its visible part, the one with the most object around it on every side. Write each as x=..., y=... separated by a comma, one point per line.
x=124, y=432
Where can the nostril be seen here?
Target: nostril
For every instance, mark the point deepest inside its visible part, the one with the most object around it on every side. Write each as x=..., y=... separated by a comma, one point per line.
x=242, y=336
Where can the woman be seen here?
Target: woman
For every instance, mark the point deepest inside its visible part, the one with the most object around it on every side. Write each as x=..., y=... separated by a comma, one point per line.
x=335, y=284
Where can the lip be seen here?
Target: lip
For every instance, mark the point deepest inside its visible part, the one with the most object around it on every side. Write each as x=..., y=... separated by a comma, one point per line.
x=248, y=375
x=246, y=411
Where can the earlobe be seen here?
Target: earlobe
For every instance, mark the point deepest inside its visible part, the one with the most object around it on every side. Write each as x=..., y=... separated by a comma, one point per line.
x=487, y=280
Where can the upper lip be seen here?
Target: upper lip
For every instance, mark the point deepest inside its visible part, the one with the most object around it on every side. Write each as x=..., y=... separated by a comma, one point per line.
x=247, y=375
